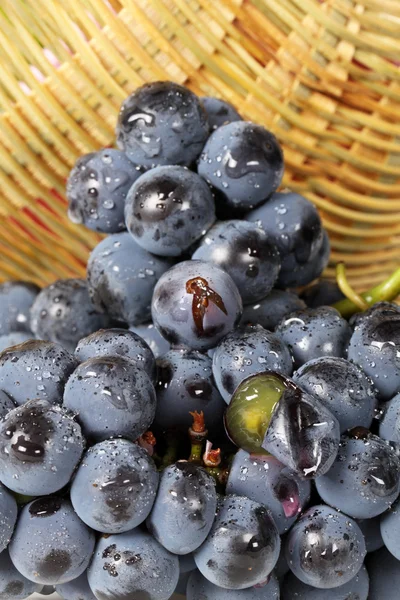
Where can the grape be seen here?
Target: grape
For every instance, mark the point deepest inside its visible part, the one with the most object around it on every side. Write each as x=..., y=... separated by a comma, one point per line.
x=199, y=588
x=132, y=566
x=314, y=332
x=97, y=187
x=325, y=549
x=115, y=486
x=246, y=351
x=342, y=387
x=355, y=589
x=150, y=334
x=270, y=311
x=282, y=567
x=384, y=576
x=162, y=123
x=195, y=304
x=322, y=293
x=294, y=224
x=64, y=313
x=6, y=404
x=295, y=274
x=389, y=427
x=35, y=369
x=184, y=510
x=40, y=446
x=303, y=434
x=242, y=547
x=371, y=530
x=118, y=342
x=168, y=209
x=249, y=412
x=390, y=530
x=244, y=162
x=13, y=339
x=78, y=589
x=267, y=481
x=244, y=251
x=375, y=347
x=48, y=590
x=13, y=585
x=364, y=480
x=8, y=517
x=186, y=384
x=16, y=299
x=121, y=278
x=112, y=397
x=51, y=545
x=219, y=112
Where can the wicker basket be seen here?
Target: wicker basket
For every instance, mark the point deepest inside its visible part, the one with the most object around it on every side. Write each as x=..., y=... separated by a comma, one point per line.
x=322, y=74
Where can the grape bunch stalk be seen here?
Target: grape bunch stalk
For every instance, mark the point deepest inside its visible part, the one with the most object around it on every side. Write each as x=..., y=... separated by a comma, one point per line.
x=204, y=414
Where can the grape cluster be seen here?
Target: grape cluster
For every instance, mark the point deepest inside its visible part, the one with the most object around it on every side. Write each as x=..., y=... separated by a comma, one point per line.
x=195, y=417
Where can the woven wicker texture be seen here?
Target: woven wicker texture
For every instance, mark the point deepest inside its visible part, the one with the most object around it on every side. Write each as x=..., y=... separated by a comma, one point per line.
x=321, y=74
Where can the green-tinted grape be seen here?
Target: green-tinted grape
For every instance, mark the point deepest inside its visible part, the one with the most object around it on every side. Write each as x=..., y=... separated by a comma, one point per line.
x=249, y=412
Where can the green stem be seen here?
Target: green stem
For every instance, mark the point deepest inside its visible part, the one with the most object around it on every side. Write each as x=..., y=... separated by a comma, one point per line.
x=387, y=291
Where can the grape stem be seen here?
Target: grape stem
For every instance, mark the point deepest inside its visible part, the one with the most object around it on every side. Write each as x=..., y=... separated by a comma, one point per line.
x=386, y=291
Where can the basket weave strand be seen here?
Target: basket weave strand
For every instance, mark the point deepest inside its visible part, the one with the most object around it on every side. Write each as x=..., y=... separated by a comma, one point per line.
x=323, y=75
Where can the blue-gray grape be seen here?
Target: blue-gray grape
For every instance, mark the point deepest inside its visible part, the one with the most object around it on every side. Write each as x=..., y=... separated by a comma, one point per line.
x=199, y=588
x=244, y=162
x=121, y=278
x=315, y=332
x=186, y=384
x=150, y=334
x=14, y=338
x=40, y=446
x=118, y=342
x=342, y=387
x=168, y=209
x=364, y=479
x=325, y=549
x=6, y=404
x=8, y=517
x=389, y=427
x=270, y=311
x=355, y=589
x=77, y=589
x=375, y=347
x=162, y=123
x=244, y=251
x=184, y=509
x=371, y=530
x=13, y=585
x=390, y=530
x=384, y=576
x=246, y=351
x=303, y=434
x=115, y=486
x=132, y=565
x=195, y=304
x=267, y=481
x=112, y=397
x=322, y=293
x=16, y=299
x=219, y=112
x=51, y=545
x=35, y=369
x=97, y=187
x=243, y=546
x=63, y=312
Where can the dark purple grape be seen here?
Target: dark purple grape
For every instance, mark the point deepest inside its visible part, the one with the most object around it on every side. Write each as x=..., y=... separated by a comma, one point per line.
x=243, y=162
x=162, y=123
x=97, y=187
x=219, y=112
x=270, y=311
x=168, y=209
x=16, y=299
x=245, y=252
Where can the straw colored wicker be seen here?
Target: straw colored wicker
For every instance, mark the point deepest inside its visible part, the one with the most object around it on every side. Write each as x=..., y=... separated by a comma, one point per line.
x=321, y=74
